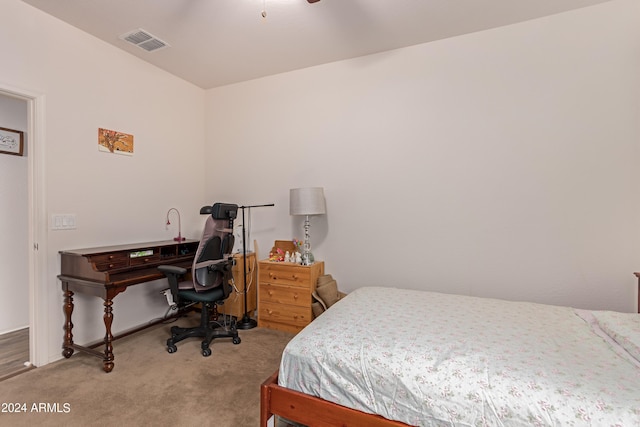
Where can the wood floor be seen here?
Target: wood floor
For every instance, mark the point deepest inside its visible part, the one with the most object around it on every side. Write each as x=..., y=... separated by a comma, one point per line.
x=14, y=352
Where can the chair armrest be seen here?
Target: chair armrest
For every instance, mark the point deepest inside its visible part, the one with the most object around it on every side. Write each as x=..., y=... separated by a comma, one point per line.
x=215, y=265
x=174, y=274
x=173, y=270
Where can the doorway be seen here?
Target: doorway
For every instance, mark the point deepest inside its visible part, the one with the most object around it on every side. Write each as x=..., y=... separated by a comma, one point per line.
x=31, y=207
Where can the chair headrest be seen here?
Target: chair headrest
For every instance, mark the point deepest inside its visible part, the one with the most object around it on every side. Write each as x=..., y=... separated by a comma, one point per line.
x=221, y=211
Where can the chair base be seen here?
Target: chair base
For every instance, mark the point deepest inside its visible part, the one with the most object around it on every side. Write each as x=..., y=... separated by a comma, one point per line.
x=207, y=330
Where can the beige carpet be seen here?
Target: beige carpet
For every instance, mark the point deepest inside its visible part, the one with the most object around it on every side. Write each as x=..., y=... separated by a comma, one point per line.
x=148, y=386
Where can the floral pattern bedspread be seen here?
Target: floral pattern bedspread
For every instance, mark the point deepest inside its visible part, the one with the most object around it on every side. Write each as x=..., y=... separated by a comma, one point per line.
x=433, y=359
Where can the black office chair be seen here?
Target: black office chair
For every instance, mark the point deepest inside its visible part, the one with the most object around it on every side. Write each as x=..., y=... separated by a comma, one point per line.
x=210, y=283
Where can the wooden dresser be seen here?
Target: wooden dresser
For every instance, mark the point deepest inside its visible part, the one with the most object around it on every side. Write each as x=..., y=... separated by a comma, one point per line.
x=234, y=305
x=284, y=294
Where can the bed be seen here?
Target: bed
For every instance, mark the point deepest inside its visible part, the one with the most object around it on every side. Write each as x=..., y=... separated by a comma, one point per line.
x=395, y=357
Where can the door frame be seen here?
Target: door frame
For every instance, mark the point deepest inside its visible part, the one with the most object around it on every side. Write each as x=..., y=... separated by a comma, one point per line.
x=37, y=223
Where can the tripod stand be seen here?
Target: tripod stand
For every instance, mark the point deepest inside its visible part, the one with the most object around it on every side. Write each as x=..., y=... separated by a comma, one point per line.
x=246, y=322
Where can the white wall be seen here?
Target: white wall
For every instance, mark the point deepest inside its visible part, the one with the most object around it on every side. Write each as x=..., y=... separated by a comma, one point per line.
x=14, y=285
x=88, y=84
x=501, y=163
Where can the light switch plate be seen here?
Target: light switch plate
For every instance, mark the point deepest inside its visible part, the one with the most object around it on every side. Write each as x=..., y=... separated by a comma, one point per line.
x=63, y=221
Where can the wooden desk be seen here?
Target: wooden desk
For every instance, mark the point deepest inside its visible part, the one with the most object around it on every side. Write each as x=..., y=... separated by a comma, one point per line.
x=105, y=272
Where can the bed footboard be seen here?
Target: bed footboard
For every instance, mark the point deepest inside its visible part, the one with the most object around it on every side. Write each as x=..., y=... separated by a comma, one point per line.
x=311, y=411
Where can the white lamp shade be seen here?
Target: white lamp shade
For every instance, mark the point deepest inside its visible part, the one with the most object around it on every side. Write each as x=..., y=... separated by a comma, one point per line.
x=307, y=201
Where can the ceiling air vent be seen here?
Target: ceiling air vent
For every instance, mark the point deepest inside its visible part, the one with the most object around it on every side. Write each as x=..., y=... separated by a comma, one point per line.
x=144, y=40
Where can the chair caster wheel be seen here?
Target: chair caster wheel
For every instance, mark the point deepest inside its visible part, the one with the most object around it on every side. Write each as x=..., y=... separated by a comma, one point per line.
x=206, y=352
x=236, y=340
x=172, y=349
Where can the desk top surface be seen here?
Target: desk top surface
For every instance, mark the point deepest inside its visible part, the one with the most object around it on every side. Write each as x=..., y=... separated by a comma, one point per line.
x=126, y=247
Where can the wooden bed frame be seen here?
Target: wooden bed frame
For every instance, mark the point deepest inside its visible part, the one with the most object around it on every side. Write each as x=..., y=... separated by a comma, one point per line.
x=310, y=410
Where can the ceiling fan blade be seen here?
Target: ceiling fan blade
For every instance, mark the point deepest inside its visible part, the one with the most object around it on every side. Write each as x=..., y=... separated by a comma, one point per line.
x=313, y=1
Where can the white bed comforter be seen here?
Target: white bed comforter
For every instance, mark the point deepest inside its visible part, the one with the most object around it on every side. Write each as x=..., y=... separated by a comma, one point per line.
x=431, y=359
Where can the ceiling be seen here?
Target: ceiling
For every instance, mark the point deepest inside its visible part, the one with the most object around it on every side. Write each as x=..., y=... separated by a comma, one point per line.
x=218, y=42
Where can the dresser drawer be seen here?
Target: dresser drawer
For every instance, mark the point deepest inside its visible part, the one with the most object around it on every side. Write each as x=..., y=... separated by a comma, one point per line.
x=288, y=314
x=284, y=294
x=285, y=274
x=279, y=326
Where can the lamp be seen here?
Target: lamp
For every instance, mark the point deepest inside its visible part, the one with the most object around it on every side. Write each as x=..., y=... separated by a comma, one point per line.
x=179, y=238
x=246, y=322
x=307, y=201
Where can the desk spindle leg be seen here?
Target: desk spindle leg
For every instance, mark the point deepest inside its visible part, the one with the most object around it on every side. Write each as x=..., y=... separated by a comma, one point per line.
x=67, y=347
x=108, y=338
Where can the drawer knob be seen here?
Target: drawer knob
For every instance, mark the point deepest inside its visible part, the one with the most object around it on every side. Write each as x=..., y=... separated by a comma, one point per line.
x=295, y=296
x=270, y=293
x=111, y=265
x=294, y=277
x=270, y=311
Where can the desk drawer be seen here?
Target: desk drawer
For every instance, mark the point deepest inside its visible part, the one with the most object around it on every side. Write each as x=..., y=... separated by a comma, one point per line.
x=113, y=265
x=110, y=261
x=110, y=257
x=284, y=294
x=285, y=274
x=287, y=314
x=145, y=259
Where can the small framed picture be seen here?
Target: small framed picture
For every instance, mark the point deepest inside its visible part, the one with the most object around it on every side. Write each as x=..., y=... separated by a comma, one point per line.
x=112, y=141
x=11, y=141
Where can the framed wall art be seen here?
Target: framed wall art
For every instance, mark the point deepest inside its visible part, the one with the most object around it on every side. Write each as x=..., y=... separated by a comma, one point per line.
x=112, y=141
x=11, y=141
